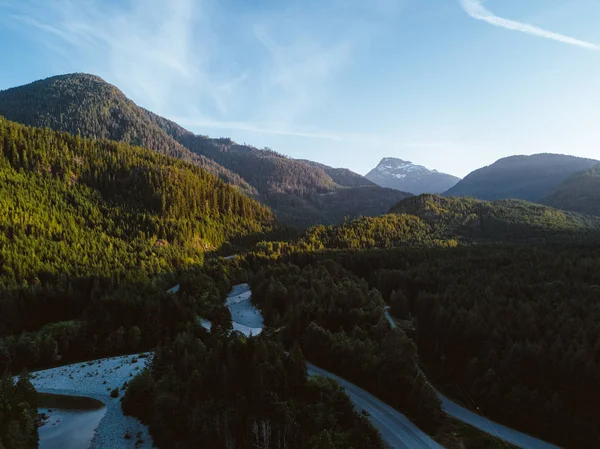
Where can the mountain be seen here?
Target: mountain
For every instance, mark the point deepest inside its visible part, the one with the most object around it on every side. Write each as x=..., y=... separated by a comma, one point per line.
x=86, y=105
x=301, y=193
x=76, y=207
x=343, y=176
x=529, y=178
x=579, y=193
x=434, y=221
x=509, y=221
x=408, y=177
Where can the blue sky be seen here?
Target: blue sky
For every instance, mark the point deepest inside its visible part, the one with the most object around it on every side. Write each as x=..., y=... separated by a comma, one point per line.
x=450, y=84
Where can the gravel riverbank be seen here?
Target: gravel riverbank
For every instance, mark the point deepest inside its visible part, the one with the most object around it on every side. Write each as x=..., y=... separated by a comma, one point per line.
x=96, y=379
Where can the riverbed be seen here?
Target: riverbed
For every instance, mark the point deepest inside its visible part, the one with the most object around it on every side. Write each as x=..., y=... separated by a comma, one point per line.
x=68, y=422
x=96, y=380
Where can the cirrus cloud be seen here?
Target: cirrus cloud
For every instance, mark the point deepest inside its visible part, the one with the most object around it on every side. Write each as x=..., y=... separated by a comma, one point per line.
x=475, y=9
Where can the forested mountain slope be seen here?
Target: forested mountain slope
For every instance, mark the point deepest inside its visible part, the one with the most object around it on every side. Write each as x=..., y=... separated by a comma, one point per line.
x=579, y=193
x=301, y=193
x=342, y=176
x=77, y=208
x=434, y=221
x=85, y=105
x=509, y=221
x=530, y=178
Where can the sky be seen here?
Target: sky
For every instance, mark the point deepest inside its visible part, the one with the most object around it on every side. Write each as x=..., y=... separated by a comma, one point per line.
x=450, y=84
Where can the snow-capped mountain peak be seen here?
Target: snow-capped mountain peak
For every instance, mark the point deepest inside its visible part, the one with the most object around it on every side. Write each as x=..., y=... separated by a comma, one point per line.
x=404, y=175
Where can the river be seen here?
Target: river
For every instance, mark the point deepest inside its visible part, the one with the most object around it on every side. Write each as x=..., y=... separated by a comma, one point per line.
x=71, y=421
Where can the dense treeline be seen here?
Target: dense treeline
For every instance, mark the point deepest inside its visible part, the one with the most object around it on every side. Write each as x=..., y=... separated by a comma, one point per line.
x=67, y=199
x=508, y=221
x=122, y=320
x=85, y=229
x=512, y=330
x=18, y=413
x=225, y=391
x=434, y=221
x=341, y=325
x=85, y=105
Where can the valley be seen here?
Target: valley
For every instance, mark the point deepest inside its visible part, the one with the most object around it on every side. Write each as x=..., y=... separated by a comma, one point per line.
x=113, y=221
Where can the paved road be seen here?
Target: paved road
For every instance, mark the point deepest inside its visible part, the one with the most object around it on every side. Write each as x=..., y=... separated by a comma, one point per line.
x=395, y=428
x=504, y=433
x=498, y=430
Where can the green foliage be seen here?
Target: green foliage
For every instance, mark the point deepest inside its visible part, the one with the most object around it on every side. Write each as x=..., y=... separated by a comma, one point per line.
x=18, y=413
x=579, y=193
x=224, y=391
x=507, y=221
x=72, y=209
x=87, y=106
x=513, y=331
x=342, y=328
x=434, y=221
x=117, y=320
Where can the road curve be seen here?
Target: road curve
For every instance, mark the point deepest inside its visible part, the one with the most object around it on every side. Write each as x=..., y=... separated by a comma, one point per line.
x=504, y=433
x=395, y=428
x=498, y=430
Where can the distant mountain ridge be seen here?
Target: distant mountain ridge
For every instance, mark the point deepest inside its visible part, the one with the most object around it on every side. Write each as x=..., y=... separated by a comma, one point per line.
x=86, y=105
x=530, y=178
x=507, y=220
x=578, y=193
x=408, y=177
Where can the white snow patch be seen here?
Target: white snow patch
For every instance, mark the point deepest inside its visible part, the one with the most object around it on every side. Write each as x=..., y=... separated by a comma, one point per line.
x=96, y=379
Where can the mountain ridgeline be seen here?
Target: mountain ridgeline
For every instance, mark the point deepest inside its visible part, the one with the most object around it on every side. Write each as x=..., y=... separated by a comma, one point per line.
x=408, y=177
x=579, y=193
x=530, y=178
x=85, y=105
x=301, y=193
x=343, y=176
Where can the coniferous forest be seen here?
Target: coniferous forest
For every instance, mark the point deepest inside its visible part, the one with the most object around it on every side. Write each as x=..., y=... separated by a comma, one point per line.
x=493, y=303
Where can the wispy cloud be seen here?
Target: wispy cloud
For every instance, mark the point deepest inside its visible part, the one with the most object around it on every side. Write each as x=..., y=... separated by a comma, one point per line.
x=298, y=68
x=258, y=128
x=475, y=9
x=146, y=48
x=177, y=57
